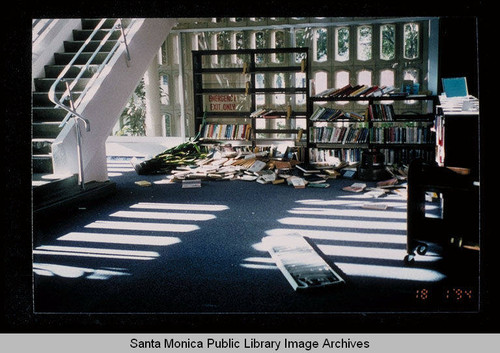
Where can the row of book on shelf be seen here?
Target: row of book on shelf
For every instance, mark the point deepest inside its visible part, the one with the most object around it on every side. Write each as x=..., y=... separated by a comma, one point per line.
x=331, y=114
x=340, y=134
x=406, y=155
x=402, y=134
x=330, y=157
x=380, y=112
x=374, y=112
x=321, y=156
x=356, y=91
x=381, y=134
x=227, y=131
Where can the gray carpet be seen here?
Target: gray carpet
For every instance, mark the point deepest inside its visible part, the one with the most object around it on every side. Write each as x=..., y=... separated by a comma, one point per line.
x=167, y=250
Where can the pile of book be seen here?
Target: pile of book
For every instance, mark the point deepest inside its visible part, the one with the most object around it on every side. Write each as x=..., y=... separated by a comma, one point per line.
x=253, y=167
x=356, y=91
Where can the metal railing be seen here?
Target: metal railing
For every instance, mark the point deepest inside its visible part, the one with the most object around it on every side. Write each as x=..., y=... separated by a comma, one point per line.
x=70, y=83
x=39, y=26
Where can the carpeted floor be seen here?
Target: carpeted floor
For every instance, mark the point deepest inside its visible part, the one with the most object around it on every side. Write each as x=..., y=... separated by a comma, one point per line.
x=165, y=249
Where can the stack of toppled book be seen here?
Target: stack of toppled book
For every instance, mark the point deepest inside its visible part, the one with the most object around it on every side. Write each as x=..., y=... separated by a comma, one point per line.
x=248, y=166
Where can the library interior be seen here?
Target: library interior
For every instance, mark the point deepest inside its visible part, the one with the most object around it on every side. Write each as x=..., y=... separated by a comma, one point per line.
x=252, y=170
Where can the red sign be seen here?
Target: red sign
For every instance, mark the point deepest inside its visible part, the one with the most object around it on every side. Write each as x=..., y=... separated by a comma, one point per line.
x=222, y=102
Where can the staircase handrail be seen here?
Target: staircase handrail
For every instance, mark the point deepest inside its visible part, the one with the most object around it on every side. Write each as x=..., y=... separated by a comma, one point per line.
x=39, y=26
x=59, y=102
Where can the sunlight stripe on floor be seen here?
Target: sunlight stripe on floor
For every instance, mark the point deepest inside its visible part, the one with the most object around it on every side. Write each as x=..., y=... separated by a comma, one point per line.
x=391, y=272
x=146, y=226
x=337, y=235
x=179, y=206
x=120, y=239
x=164, y=215
x=342, y=223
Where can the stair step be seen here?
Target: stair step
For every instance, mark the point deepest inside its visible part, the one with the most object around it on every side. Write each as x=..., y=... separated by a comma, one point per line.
x=74, y=46
x=46, y=114
x=46, y=129
x=41, y=99
x=44, y=84
x=47, y=190
x=46, y=204
x=38, y=179
x=43, y=164
x=91, y=23
x=53, y=71
x=41, y=146
x=83, y=58
x=83, y=34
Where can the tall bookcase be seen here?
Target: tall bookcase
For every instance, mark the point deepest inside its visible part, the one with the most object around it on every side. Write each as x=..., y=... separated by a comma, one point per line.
x=266, y=90
x=405, y=135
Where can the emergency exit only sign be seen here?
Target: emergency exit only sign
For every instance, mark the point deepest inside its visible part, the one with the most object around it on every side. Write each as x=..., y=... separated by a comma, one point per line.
x=222, y=102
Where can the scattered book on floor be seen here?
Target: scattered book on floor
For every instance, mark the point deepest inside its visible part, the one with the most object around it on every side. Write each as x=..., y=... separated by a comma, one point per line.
x=375, y=206
x=307, y=169
x=143, y=183
x=299, y=262
x=318, y=185
x=191, y=183
x=356, y=187
x=349, y=173
x=296, y=182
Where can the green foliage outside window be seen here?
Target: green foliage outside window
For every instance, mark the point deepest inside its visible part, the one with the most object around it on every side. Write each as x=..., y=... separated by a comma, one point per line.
x=343, y=43
x=388, y=42
x=132, y=120
x=321, y=43
x=411, y=34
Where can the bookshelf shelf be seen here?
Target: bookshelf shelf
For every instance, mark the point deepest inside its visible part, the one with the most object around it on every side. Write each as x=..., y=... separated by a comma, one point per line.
x=235, y=86
x=400, y=137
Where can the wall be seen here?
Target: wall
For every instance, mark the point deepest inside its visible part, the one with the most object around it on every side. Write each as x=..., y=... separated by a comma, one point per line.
x=458, y=50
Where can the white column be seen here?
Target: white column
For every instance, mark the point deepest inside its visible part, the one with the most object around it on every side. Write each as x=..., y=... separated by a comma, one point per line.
x=152, y=90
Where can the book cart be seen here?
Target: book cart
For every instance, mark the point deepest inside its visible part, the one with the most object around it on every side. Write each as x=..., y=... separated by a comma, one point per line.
x=251, y=97
x=401, y=134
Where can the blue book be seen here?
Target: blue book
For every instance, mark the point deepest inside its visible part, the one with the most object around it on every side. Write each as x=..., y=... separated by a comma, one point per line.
x=455, y=87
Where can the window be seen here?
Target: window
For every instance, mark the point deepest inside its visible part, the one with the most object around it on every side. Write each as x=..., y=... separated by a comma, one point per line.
x=162, y=55
x=164, y=90
x=410, y=75
x=279, y=82
x=386, y=78
x=279, y=42
x=387, y=42
x=260, y=99
x=365, y=77
x=300, y=81
x=364, y=43
x=342, y=44
x=341, y=79
x=320, y=45
x=321, y=81
x=385, y=52
x=411, y=40
x=301, y=42
x=259, y=43
x=239, y=43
